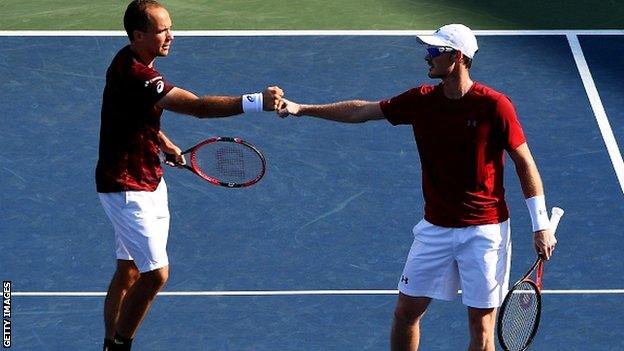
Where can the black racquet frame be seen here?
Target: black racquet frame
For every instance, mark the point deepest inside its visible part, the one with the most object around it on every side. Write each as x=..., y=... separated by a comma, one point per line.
x=538, y=268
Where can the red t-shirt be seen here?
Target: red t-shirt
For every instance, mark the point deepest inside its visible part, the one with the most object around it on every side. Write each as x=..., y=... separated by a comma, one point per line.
x=461, y=146
x=129, y=146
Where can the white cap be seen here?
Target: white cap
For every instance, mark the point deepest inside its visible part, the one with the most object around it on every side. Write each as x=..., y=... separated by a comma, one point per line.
x=456, y=36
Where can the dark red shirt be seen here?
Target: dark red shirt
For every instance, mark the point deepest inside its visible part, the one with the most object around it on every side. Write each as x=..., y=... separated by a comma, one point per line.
x=130, y=122
x=461, y=146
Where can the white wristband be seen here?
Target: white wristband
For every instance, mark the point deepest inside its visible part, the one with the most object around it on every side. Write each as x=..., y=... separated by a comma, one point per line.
x=252, y=102
x=538, y=212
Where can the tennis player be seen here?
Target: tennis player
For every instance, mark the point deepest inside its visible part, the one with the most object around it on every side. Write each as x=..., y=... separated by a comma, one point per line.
x=462, y=129
x=128, y=173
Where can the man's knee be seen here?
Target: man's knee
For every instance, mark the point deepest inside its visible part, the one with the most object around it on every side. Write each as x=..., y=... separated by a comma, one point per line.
x=481, y=323
x=409, y=310
x=126, y=273
x=156, y=279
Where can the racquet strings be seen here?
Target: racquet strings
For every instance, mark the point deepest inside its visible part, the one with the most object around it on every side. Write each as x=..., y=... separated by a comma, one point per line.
x=520, y=316
x=229, y=162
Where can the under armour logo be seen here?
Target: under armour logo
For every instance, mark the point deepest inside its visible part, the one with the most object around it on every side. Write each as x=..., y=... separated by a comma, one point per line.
x=471, y=123
x=404, y=279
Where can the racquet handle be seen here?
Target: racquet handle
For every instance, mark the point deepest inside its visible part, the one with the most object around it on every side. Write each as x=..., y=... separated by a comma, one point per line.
x=555, y=217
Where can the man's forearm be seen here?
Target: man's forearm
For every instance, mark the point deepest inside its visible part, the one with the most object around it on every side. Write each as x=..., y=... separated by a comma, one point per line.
x=352, y=111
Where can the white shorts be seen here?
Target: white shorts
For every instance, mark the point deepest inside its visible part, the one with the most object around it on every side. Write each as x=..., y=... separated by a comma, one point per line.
x=141, y=223
x=475, y=259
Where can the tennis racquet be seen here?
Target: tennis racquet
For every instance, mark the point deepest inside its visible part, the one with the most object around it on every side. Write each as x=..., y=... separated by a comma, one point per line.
x=519, y=315
x=225, y=161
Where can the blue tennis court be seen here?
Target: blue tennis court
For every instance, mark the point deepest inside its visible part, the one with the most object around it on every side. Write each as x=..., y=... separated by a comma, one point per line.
x=309, y=258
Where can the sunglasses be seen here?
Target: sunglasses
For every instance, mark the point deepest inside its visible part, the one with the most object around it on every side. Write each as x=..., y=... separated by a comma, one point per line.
x=435, y=51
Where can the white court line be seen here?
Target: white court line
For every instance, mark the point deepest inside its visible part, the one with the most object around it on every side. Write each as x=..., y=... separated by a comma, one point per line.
x=599, y=111
x=288, y=293
x=254, y=33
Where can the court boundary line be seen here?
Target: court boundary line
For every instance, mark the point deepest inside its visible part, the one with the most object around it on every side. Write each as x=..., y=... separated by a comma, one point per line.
x=598, y=108
x=287, y=32
x=256, y=293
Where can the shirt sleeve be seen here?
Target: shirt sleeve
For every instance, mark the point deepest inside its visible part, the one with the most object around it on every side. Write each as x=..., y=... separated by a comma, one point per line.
x=396, y=109
x=152, y=85
x=511, y=128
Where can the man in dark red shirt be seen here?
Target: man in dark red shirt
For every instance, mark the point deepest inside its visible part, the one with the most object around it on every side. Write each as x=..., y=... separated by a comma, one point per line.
x=462, y=129
x=128, y=173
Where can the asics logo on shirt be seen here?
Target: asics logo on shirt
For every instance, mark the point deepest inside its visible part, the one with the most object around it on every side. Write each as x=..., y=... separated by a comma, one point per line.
x=160, y=85
x=148, y=82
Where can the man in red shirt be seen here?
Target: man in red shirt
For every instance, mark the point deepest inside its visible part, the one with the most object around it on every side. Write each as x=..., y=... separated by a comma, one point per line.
x=461, y=129
x=128, y=173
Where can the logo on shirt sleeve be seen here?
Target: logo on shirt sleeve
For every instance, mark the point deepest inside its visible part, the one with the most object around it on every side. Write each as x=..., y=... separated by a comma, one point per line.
x=160, y=84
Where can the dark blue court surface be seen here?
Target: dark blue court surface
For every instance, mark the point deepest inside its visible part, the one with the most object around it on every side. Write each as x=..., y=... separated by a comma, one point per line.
x=334, y=211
